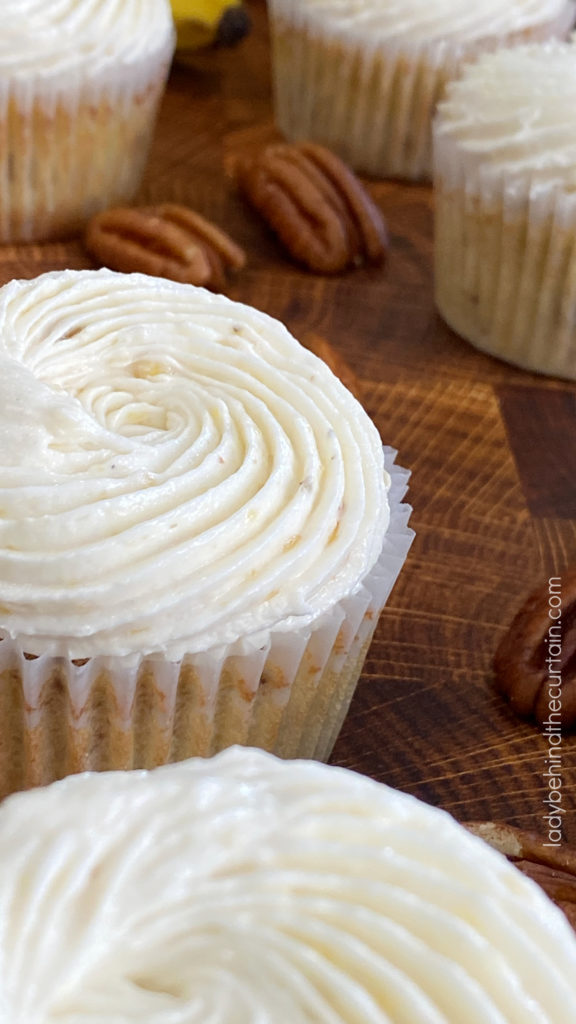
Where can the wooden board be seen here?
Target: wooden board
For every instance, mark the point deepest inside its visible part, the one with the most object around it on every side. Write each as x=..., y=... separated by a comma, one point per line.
x=491, y=450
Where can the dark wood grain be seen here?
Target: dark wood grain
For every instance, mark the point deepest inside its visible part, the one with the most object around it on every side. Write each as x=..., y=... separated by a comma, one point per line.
x=541, y=427
x=492, y=483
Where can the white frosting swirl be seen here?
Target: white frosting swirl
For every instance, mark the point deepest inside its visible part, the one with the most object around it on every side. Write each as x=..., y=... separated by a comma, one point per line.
x=176, y=471
x=415, y=22
x=512, y=115
x=247, y=890
x=47, y=37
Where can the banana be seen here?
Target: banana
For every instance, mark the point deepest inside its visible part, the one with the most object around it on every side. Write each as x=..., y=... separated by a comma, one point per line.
x=204, y=22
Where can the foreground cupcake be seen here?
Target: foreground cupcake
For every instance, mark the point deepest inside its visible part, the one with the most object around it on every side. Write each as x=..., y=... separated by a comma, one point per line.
x=243, y=888
x=80, y=82
x=505, y=182
x=199, y=528
x=364, y=76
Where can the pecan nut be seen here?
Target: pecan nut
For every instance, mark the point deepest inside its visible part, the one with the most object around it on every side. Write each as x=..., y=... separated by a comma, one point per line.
x=553, y=868
x=538, y=655
x=163, y=241
x=316, y=206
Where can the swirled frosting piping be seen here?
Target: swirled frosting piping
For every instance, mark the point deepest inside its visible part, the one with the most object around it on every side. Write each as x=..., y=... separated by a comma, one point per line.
x=247, y=890
x=176, y=471
x=44, y=38
x=511, y=117
x=415, y=22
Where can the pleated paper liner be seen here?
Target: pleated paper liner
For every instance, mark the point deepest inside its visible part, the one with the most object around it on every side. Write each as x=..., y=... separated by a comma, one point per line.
x=289, y=695
x=505, y=269
x=73, y=145
x=376, y=109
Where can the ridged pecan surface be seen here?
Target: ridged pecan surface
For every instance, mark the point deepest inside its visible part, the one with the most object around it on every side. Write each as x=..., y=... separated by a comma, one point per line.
x=315, y=205
x=535, y=663
x=164, y=241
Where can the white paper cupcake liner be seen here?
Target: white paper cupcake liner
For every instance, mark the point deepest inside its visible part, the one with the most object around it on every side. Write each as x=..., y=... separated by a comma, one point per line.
x=288, y=694
x=505, y=265
x=72, y=147
x=371, y=102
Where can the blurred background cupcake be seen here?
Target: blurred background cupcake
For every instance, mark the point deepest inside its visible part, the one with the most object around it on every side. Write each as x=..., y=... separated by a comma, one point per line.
x=505, y=183
x=199, y=529
x=80, y=83
x=364, y=76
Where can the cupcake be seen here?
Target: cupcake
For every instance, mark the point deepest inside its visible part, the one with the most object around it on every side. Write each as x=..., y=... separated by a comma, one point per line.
x=199, y=528
x=243, y=888
x=505, y=183
x=364, y=76
x=80, y=83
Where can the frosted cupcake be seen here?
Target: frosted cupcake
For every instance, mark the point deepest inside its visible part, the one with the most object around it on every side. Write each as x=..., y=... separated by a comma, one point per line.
x=198, y=531
x=505, y=181
x=364, y=76
x=243, y=888
x=80, y=82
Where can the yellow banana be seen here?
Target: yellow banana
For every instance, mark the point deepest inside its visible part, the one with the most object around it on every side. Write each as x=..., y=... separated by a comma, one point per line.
x=203, y=22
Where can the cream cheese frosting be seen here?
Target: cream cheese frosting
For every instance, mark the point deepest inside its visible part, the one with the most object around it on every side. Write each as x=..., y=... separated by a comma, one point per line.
x=47, y=37
x=248, y=890
x=176, y=471
x=512, y=116
x=414, y=22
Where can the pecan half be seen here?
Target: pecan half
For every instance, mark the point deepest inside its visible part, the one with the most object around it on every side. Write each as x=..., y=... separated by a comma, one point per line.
x=553, y=868
x=538, y=654
x=315, y=204
x=163, y=241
